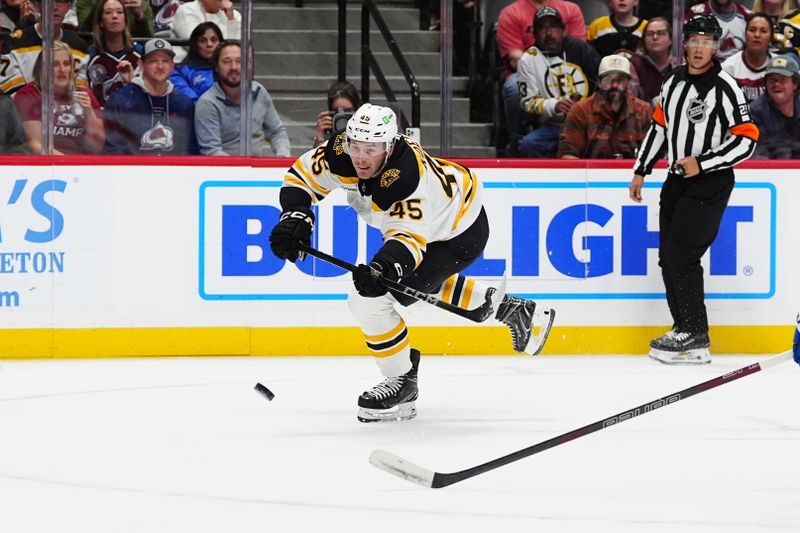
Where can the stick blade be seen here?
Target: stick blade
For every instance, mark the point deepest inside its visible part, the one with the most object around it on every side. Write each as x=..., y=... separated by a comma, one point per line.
x=397, y=466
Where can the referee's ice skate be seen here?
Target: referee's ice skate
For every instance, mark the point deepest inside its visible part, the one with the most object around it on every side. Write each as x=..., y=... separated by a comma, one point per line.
x=393, y=399
x=529, y=328
x=657, y=344
x=681, y=348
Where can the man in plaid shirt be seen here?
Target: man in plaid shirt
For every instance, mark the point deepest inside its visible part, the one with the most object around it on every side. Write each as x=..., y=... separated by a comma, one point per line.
x=609, y=124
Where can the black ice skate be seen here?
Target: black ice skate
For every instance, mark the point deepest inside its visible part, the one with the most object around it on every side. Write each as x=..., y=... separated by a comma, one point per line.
x=393, y=399
x=681, y=348
x=658, y=344
x=518, y=314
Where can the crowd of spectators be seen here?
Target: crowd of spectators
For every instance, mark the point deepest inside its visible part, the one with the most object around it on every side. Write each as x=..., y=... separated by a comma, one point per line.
x=554, y=103
x=570, y=87
x=130, y=92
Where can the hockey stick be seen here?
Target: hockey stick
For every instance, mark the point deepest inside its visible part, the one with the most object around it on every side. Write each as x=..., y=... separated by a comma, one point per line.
x=401, y=468
x=478, y=314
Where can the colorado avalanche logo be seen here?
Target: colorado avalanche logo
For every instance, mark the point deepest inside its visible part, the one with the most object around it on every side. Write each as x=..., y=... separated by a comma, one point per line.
x=159, y=137
x=97, y=73
x=67, y=120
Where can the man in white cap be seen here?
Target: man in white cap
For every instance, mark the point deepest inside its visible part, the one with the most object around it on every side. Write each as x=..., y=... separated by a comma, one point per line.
x=611, y=123
x=148, y=116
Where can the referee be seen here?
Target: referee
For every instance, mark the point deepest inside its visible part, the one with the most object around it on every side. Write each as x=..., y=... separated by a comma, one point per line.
x=703, y=121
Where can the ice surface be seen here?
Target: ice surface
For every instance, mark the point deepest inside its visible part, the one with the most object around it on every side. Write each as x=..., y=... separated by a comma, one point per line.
x=187, y=445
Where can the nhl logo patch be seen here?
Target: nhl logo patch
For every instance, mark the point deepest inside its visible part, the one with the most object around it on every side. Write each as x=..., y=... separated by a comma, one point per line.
x=696, y=112
x=389, y=177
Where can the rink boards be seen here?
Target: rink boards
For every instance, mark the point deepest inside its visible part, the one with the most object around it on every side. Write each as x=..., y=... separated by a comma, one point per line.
x=169, y=256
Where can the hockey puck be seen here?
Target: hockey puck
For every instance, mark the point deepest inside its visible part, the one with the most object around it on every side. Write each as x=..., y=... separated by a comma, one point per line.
x=263, y=391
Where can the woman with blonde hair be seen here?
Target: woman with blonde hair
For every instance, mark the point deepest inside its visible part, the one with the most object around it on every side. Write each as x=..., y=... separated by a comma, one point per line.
x=77, y=122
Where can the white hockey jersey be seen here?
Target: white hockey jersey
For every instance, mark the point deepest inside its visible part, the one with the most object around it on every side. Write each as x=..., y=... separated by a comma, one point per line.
x=749, y=79
x=417, y=199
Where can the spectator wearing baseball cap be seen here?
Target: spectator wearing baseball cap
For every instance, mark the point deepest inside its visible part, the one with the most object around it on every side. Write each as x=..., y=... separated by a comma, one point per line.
x=515, y=27
x=777, y=112
x=552, y=75
x=611, y=123
x=148, y=116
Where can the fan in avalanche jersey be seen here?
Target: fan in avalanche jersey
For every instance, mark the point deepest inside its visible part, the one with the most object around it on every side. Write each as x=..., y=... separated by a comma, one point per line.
x=434, y=226
x=731, y=17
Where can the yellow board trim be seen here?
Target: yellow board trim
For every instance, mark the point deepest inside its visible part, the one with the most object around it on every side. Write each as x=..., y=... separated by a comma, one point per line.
x=239, y=341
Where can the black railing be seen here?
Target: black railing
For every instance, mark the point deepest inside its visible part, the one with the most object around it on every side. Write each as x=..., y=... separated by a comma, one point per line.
x=368, y=61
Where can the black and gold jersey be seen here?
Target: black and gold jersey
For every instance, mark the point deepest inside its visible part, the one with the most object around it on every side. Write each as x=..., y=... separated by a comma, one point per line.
x=25, y=45
x=414, y=200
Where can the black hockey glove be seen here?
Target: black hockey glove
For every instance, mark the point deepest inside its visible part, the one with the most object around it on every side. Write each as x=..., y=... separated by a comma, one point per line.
x=293, y=228
x=368, y=279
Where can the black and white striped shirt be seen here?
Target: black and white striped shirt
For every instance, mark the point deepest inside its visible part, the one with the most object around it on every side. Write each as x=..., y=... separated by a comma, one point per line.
x=704, y=116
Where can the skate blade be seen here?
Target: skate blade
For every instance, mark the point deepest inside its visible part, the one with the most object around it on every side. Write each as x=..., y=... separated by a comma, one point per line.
x=398, y=413
x=538, y=339
x=700, y=356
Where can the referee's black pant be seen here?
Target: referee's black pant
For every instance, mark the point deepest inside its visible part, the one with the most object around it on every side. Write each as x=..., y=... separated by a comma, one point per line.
x=691, y=210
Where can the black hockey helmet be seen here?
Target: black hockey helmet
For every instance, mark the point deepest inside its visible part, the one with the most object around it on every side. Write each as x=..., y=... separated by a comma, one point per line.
x=704, y=25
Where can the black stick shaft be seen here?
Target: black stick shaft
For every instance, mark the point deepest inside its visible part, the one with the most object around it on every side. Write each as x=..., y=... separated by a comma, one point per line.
x=394, y=285
x=445, y=479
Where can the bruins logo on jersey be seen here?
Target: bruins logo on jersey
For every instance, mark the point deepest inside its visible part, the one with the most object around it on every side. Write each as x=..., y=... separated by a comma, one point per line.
x=338, y=144
x=566, y=79
x=389, y=177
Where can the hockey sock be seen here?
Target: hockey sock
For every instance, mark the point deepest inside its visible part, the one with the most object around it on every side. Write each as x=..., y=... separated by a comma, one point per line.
x=464, y=292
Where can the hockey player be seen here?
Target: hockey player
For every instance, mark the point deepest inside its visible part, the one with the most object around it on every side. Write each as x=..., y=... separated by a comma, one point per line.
x=703, y=121
x=434, y=226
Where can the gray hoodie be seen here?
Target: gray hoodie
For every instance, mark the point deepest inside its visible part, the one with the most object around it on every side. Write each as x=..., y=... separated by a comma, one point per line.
x=217, y=122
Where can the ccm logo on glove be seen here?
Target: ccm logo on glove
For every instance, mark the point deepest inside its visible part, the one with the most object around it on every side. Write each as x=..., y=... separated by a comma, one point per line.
x=292, y=230
x=368, y=279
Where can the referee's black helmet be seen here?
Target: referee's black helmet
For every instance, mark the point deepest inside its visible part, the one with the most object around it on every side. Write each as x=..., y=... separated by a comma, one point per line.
x=704, y=25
